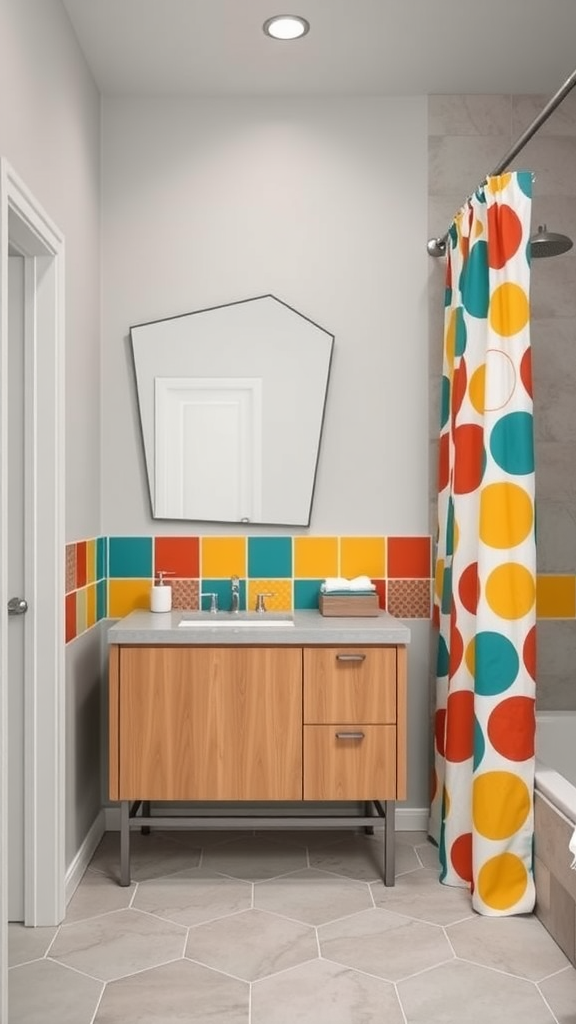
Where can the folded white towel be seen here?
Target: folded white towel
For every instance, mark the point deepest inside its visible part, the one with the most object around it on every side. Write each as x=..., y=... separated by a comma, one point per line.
x=572, y=848
x=340, y=583
x=362, y=583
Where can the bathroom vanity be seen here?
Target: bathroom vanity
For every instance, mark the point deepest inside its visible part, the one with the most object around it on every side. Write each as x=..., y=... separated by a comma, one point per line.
x=307, y=711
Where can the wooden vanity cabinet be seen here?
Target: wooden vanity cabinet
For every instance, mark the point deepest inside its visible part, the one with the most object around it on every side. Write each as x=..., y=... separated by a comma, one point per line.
x=206, y=723
x=191, y=723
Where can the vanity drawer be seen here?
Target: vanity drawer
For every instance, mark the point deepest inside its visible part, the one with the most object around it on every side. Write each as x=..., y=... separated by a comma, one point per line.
x=350, y=684
x=349, y=762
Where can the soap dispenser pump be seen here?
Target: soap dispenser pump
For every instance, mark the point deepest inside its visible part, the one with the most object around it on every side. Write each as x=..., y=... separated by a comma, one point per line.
x=161, y=594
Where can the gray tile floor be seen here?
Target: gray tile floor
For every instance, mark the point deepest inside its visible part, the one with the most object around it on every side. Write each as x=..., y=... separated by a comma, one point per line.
x=282, y=928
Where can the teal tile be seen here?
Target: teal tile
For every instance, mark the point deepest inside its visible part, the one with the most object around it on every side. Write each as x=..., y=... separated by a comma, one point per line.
x=130, y=557
x=306, y=593
x=224, y=591
x=270, y=557
x=101, y=601
x=101, y=560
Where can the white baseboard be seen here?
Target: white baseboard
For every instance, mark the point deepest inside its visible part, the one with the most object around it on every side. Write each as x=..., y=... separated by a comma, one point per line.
x=407, y=819
x=82, y=859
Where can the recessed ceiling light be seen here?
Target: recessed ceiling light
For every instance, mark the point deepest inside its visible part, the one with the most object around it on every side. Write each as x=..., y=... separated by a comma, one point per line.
x=286, y=26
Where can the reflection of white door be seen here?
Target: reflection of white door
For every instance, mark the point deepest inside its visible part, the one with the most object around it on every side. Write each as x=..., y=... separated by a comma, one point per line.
x=208, y=448
x=16, y=588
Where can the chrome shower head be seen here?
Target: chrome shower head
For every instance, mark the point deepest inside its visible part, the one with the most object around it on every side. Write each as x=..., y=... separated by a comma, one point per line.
x=548, y=243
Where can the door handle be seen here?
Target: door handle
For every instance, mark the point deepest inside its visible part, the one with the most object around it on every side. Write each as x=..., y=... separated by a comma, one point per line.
x=17, y=606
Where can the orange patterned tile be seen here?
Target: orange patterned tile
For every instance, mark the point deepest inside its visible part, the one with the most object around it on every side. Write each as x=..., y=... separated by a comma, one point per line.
x=281, y=590
x=409, y=599
x=185, y=594
x=70, y=567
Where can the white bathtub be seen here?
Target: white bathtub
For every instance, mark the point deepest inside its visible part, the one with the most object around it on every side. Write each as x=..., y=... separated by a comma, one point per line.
x=556, y=759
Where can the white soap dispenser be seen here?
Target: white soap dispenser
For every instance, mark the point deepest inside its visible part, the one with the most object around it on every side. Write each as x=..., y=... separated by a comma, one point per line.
x=161, y=594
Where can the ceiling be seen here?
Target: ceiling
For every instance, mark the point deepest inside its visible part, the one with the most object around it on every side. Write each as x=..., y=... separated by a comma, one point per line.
x=354, y=47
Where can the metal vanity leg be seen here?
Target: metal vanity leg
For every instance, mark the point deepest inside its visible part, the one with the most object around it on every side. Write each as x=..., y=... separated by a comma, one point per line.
x=125, y=842
x=145, y=830
x=389, y=842
x=368, y=829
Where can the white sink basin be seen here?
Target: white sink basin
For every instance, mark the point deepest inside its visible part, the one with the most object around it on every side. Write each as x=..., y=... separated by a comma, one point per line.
x=241, y=620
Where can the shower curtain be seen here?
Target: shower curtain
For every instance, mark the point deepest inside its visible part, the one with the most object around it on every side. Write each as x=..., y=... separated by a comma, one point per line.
x=485, y=592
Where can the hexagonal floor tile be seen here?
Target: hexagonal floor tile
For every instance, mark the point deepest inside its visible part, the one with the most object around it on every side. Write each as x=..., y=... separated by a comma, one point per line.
x=48, y=992
x=361, y=857
x=118, y=944
x=252, y=944
x=519, y=945
x=152, y=856
x=442, y=993
x=254, y=859
x=26, y=944
x=324, y=993
x=384, y=944
x=194, y=896
x=421, y=895
x=559, y=992
x=97, y=894
x=312, y=896
x=177, y=992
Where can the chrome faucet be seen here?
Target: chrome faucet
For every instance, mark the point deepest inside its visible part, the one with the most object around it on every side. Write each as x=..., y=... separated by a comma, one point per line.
x=235, y=602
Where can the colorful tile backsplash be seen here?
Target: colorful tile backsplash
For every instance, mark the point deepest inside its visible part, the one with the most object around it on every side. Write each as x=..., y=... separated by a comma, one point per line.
x=108, y=577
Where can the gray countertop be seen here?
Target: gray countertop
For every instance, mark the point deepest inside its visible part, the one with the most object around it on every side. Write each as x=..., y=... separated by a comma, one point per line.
x=310, y=627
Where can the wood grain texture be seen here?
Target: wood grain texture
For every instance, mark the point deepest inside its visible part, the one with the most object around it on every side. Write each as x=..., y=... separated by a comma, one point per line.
x=337, y=690
x=208, y=723
x=401, y=723
x=113, y=733
x=348, y=769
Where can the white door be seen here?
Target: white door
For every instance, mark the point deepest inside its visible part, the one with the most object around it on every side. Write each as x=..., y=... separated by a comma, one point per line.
x=25, y=229
x=16, y=588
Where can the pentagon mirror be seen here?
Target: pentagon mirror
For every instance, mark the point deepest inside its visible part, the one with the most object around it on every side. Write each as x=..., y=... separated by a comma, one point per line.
x=231, y=402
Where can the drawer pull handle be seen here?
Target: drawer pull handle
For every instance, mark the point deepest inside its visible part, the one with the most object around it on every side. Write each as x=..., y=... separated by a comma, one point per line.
x=350, y=657
x=349, y=735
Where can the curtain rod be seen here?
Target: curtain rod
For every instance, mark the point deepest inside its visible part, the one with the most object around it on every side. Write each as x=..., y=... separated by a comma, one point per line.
x=437, y=246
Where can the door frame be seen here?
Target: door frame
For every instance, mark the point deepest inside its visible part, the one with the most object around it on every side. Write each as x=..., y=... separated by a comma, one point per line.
x=27, y=230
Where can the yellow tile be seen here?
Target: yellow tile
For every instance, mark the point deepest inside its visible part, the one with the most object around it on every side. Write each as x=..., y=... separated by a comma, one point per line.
x=80, y=611
x=281, y=590
x=556, y=597
x=363, y=556
x=126, y=595
x=315, y=557
x=90, y=561
x=90, y=605
x=222, y=556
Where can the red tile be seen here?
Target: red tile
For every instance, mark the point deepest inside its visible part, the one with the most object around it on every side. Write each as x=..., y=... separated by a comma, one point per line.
x=80, y=564
x=409, y=558
x=70, y=617
x=178, y=556
x=381, y=591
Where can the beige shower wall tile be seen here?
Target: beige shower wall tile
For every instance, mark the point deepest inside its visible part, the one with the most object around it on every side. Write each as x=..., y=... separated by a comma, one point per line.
x=469, y=115
x=556, y=657
x=552, y=291
x=526, y=108
x=441, y=211
x=553, y=832
x=554, y=163
x=458, y=164
x=556, y=471
x=556, y=547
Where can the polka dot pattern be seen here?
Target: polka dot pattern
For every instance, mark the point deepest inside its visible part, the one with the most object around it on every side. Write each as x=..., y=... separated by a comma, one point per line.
x=485, y=594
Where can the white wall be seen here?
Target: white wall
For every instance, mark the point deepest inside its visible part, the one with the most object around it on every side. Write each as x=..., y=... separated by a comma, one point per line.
x=322, y=203
x=50, y=133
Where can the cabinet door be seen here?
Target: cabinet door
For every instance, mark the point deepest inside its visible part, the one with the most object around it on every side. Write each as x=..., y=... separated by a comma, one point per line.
x=350, y=684
x=344, y=762
x=210, y=723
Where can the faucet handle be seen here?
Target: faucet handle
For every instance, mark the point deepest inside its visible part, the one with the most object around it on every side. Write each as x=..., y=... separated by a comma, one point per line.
x=213, y=600
x=260, y=606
